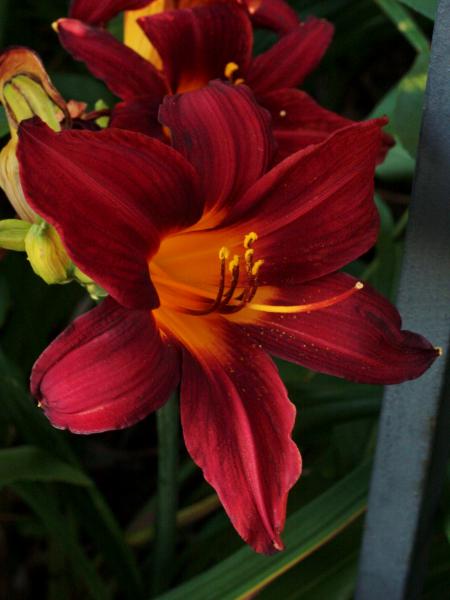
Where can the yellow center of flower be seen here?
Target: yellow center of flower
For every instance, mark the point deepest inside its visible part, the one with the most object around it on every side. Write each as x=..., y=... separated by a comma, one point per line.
x=192, y=280
x=233, y=298
x=238, y=284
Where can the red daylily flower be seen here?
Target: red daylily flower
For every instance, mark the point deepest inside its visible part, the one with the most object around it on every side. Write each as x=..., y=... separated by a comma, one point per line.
x=273, y=14
x=211, y=261
x=197, y=45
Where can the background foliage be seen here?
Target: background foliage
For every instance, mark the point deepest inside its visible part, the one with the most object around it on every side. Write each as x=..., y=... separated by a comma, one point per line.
x=77, y=513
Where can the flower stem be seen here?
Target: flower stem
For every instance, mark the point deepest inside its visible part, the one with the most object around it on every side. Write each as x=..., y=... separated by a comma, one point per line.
x=167, y=495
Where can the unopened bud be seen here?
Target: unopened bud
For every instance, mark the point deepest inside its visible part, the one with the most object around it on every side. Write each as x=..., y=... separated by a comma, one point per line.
x=25, y=91
x=25, y=98
x=10, y=182
x=47, y=254
x=13, y=233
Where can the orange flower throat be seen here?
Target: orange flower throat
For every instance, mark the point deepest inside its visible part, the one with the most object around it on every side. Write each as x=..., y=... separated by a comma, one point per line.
x=186, y=285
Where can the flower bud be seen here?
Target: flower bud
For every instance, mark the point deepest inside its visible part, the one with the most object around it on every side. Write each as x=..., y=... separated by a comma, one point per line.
x=25, y=91
x=13, y=233
x=47, y=254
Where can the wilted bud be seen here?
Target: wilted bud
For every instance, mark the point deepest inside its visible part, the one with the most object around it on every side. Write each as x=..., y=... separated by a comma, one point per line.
x=13, y=233
x=47, y=254
x=25, y=91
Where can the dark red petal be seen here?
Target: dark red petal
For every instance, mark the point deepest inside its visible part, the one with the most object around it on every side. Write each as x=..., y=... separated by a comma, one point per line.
x=111, y=195
x=359, y=338
x=273, y=14
x=298, y=121
x=107, y=370
x=237, y=422
x=101, y=11
x=126, y=73
x=314, y=212
x=139, y=115
x=224, y=134
x=196, y=44
x=292, y=58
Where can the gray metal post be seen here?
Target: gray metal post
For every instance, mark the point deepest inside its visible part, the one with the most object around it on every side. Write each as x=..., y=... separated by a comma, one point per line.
x=414, y=435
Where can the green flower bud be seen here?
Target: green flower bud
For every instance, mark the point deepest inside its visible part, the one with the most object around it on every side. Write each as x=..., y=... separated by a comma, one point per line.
x=47, y=254
x=25, y=91
x=13, y=233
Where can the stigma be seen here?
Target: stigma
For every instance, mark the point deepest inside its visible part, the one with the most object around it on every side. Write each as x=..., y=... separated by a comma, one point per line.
x=238, y=284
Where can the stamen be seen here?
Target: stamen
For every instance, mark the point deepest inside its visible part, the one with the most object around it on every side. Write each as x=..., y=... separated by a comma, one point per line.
x=250, y=239
x=224, y=253
x=256, y=267
x=230, y=69
x=249, y=257
x=233, y=264
x=301, y=308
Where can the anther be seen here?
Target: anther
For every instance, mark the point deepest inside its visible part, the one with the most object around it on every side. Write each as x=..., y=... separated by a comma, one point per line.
x=250, y=239
x=224, y=253
x=233, y=264
x=249, y=256
x=230, y=69
x=256, y=267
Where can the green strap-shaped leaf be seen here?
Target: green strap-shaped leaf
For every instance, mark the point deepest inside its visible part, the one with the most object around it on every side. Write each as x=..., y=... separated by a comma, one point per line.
x=96, y=516
x=427, y=8
x=405, y=24
x=409, y=105
x=45, y=506
x=29, y=463
x=244, y=573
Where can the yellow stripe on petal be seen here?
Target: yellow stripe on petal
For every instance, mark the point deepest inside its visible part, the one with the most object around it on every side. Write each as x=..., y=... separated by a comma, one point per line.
x=135, y=38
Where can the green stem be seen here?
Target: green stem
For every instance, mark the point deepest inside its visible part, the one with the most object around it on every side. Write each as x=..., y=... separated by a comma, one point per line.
x=167, y=495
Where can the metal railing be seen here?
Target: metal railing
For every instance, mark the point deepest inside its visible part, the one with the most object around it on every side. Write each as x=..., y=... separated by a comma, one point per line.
x=414, y=436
